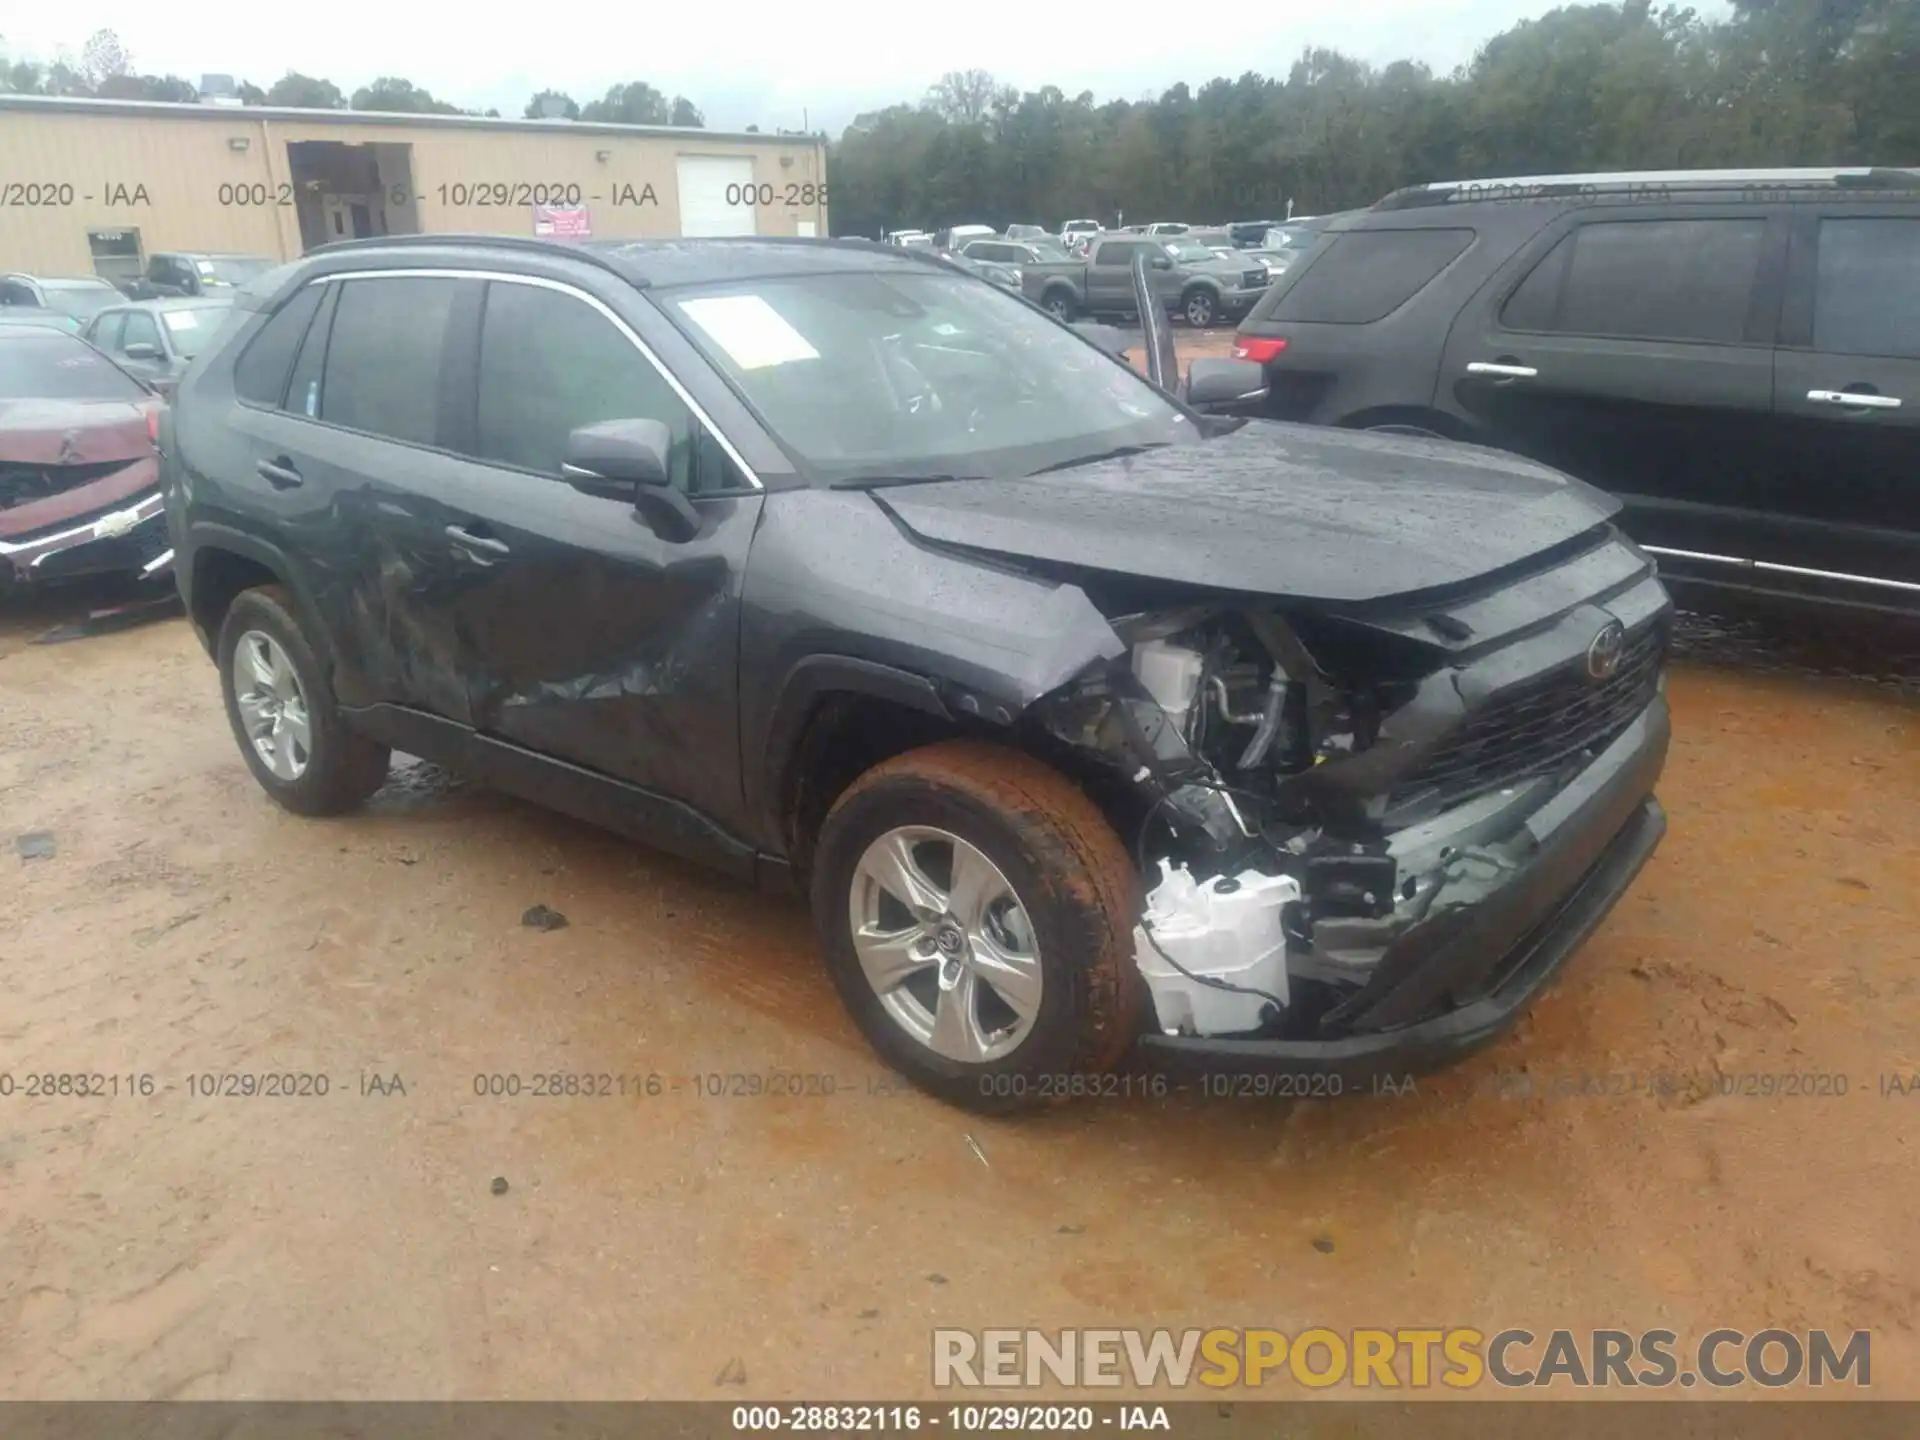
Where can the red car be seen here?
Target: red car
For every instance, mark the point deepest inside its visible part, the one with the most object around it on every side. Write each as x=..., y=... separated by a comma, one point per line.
x=79, y=491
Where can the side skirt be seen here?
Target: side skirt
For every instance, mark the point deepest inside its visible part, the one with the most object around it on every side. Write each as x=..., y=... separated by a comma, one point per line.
x=616, y=805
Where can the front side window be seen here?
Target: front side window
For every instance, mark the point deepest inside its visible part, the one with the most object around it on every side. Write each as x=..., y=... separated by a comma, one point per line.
x=887, y=375
x=105, y=331
x=383, y=357
x=550, y=363
x=1866, y=298
x=140, y=331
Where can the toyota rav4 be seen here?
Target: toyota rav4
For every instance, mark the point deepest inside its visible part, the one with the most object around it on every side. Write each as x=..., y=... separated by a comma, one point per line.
x=1087, y=716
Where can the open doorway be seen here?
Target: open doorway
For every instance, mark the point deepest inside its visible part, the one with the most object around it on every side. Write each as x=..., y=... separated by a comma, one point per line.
x=351, y=192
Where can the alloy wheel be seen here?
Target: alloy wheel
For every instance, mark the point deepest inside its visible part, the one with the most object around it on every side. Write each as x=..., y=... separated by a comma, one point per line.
x=272, y=704
x=946, y=944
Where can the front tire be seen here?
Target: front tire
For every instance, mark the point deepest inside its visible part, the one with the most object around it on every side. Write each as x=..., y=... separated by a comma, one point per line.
x=1200, y=309
x=976, y=912
x=281, y=707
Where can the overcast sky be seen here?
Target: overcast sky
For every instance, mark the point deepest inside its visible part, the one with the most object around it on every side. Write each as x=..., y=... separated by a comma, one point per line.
x=761, y=62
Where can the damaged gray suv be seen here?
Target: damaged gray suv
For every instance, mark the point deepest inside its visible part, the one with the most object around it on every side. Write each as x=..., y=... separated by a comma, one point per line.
x=1088, y=716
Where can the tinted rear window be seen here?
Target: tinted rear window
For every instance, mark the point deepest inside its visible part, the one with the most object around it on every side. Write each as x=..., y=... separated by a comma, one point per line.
x=260, y=374
x=38, y=364
x=1866, y=297
x=383, y=358
x=1366, y=275
x=1645, y=279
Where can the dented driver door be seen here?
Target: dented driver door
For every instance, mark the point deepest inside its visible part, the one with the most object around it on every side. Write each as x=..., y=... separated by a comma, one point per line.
x=584, y=635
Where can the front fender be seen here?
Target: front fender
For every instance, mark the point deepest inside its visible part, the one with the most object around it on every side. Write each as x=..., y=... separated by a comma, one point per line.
x=806, y=683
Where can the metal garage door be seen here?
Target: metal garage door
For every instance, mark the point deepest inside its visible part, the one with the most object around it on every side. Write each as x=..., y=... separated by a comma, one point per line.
x=716, y=196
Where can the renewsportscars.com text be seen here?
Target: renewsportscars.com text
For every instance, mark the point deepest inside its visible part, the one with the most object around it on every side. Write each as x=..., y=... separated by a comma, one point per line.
x=1459, y=1358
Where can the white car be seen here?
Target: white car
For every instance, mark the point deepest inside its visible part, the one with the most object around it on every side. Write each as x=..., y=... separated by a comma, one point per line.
x=1074, y=229
x=959, y=235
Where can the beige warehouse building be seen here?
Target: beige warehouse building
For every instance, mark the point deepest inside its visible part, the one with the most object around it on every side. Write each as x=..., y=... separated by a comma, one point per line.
x=96, y=186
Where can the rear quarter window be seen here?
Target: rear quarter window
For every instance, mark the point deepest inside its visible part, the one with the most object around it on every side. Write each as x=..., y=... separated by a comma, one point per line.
x=1366, y=275
x=260, y=374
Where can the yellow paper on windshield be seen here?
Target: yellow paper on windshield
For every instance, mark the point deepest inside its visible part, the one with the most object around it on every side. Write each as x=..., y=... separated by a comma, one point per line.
x=752, y=332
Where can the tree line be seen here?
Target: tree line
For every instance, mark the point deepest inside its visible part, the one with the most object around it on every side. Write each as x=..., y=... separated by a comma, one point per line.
x=1594, y=87
x=105, y=71
x=1609, y=86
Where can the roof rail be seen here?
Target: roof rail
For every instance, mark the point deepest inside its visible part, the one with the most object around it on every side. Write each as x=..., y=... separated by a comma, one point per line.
x=1600, y=184
x=499, y=242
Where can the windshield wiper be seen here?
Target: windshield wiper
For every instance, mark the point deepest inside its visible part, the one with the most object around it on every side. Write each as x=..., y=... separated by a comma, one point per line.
x=875, y=482
x=1121, y=453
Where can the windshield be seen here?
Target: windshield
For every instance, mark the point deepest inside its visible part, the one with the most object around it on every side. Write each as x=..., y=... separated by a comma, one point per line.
x=233, y=270
x=191, y=328
x=1287, y=238
x=1047, y=250
x=1187, y=251
x=876, y=376
x=47, y=365
x=80, y=301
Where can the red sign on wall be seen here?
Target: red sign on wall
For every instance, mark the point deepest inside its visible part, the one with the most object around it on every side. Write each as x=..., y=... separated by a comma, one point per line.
x=562, y=222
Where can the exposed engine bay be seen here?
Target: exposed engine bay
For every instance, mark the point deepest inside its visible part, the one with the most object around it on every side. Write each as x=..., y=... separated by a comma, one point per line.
x=1295, y=822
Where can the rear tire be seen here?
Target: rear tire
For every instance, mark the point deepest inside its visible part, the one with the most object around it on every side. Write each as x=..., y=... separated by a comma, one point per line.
x=280, y=704
x=1011, y=971
x=1059, y=304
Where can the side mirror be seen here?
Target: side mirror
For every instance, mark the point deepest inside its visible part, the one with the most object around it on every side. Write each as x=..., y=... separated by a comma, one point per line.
x=1161, y=262
x=627, y=460
x=1216, y=384
x=142, y=350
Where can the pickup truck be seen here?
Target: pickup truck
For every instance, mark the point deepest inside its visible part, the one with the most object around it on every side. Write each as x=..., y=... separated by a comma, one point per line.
x=1190, y=280
x=175, y=273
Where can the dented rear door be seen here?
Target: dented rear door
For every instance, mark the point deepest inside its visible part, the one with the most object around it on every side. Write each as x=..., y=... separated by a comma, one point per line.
x=583, y=635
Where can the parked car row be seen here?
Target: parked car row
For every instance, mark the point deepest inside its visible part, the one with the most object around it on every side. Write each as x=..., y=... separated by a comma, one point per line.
x=79, y=490
x=85, y=368
x=1200, y=275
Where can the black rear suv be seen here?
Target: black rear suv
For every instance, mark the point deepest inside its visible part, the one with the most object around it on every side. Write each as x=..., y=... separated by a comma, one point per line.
x=1069, y=703
x=1734, y=354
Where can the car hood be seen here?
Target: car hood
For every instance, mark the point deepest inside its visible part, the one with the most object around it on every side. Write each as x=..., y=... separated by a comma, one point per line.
x=1292, y=511
x=72, y=432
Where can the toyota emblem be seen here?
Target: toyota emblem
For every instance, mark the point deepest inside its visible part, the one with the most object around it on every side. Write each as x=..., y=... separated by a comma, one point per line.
x=1603, y=653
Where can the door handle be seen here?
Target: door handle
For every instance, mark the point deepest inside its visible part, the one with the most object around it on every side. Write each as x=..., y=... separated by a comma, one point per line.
x=279, y=473
x=1852, y=398
x=485, y=544
x=1502, y=370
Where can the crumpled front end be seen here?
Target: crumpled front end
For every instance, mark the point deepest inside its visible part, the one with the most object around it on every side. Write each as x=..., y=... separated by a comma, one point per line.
x=79, y=495
x=1366, y=839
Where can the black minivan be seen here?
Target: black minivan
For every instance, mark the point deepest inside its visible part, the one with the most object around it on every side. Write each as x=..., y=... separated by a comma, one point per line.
x=1734, y=354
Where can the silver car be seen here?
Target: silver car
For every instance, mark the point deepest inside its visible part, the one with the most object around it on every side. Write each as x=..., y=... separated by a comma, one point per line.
x=157, y=339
